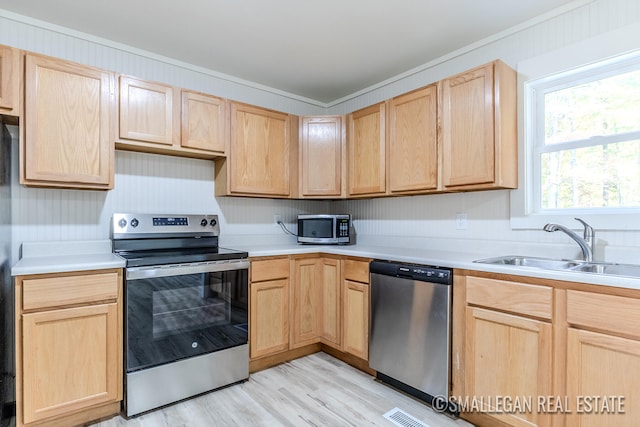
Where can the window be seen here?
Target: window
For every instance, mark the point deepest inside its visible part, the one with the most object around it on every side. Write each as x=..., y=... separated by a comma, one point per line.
x=585, y=139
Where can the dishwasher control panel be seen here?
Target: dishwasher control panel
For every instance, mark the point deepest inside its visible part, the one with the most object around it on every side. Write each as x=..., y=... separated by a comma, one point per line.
x=413, y=271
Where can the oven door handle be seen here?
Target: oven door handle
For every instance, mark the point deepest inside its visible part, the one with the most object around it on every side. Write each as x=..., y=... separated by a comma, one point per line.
x=134, y=273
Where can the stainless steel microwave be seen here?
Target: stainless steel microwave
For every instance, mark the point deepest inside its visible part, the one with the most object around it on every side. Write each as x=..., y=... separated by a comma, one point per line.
x=324, y=229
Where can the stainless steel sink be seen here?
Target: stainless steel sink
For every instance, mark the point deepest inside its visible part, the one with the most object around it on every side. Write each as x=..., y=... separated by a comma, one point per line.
x=628, y=270
x=604, y=268
x=534, y=262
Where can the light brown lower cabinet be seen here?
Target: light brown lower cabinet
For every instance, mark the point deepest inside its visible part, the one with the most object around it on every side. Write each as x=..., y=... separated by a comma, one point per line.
x=331, y=297
x=306, y=301
x=571, y=351
x=302, y=301
x=269, y=307
x=355, y=318
x=68, y=347
x=509, y=356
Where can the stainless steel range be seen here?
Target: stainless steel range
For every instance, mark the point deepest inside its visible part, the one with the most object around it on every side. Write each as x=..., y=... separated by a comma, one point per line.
x=186, y=308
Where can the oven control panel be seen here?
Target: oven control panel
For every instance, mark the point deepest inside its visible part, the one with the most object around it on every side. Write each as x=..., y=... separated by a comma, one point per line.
x=131, y=225
x=162, y=221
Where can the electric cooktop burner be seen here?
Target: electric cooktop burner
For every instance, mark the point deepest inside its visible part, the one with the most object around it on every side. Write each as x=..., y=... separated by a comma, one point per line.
x=152, y=239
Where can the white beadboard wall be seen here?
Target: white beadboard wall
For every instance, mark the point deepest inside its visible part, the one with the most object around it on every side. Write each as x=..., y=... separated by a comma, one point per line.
x=40, y=37
x=582, y=20
x=146, y=182
x=143, y=183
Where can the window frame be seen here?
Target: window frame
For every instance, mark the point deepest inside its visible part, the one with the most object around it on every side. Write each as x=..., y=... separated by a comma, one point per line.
x=591, y=55
x=536, y=138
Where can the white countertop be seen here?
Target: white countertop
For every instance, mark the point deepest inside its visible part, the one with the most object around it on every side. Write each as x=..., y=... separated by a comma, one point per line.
x=57, y=257
x=67, y=256
x=435, y=257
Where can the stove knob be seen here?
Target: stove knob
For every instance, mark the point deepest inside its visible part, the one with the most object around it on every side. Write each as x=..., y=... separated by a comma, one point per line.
x=122, y=223
x=213, y=222
x=203, y=223
x=134, y=222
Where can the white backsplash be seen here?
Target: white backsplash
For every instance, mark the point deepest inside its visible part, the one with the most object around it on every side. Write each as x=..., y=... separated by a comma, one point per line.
x=144, y=183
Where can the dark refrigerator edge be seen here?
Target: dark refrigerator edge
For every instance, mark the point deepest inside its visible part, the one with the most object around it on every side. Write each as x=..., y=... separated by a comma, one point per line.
x=7, y=350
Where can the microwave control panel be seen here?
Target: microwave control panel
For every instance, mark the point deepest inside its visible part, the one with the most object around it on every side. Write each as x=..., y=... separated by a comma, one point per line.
x=343, y=227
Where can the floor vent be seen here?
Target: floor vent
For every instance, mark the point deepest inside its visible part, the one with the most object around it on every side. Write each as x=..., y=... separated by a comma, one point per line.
x=402, y=419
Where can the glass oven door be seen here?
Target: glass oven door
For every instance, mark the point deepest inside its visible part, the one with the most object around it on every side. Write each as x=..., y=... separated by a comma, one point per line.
x=179, y=311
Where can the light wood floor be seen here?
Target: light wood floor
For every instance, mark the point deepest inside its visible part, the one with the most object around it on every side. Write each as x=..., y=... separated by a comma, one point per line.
x=316, y=390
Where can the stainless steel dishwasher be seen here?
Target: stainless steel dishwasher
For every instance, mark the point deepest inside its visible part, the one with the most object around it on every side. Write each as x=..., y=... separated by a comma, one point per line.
x=410, y=329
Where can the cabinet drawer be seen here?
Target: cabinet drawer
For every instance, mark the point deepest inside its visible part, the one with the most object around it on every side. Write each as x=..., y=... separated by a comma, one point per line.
x=531, y=300
x=604, y=312
x=269, y=269
x=356, y=270
x=45, y=292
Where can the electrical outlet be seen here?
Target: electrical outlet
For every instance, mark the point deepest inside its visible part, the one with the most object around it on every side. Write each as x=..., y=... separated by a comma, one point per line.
x=276, y=220
x=461, y=221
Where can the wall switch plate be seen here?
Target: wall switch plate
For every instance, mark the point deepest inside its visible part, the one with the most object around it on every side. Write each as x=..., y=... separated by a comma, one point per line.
x=461, y=221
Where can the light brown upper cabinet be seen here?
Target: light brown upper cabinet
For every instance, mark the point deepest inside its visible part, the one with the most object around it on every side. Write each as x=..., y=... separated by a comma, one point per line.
x=149, y=112
x=413, y=143
x=259, y=153
x=367, y=151
x=158, y=118
x=203, y=122
x=9, y=81
x=66, y=138
x=322, y=148
x=479, y=133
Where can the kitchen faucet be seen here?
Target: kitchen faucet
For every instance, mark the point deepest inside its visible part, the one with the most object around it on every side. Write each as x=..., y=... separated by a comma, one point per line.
x=586, y=243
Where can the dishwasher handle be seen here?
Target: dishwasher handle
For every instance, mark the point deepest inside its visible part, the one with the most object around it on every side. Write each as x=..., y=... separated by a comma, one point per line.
x=423, y=273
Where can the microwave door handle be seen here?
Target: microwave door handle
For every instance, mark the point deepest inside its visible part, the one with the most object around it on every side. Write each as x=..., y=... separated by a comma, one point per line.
x=134, y=273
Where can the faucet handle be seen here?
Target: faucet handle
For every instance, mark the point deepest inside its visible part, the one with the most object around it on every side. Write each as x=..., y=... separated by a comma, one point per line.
x=588, y=230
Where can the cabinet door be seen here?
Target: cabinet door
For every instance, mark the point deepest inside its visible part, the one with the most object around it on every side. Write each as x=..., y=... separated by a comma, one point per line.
x=67, y=140
x=468, y=128
x=9, y=80
x=259, y=151
x=149, y=112
x=507, y=356
x=606, y=367
x=479, y=128
x=366, y=146
x=330, y=328
x=203, y=122
x=306, y=302
x=321, y=156
x=269, y=317
x=413, y=152
x=355, y=319
x=69, y=360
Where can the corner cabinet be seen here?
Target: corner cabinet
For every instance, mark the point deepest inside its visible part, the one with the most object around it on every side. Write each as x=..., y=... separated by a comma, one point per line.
x=258, y=162
x=66, y=138
x=316, y=301
x=479, y=129
x=366, y=145
x=68, y=347
x=10, y=81
x=322, y=150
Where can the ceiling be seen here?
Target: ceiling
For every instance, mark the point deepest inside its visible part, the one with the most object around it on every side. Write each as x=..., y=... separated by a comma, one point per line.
x=316, y=50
